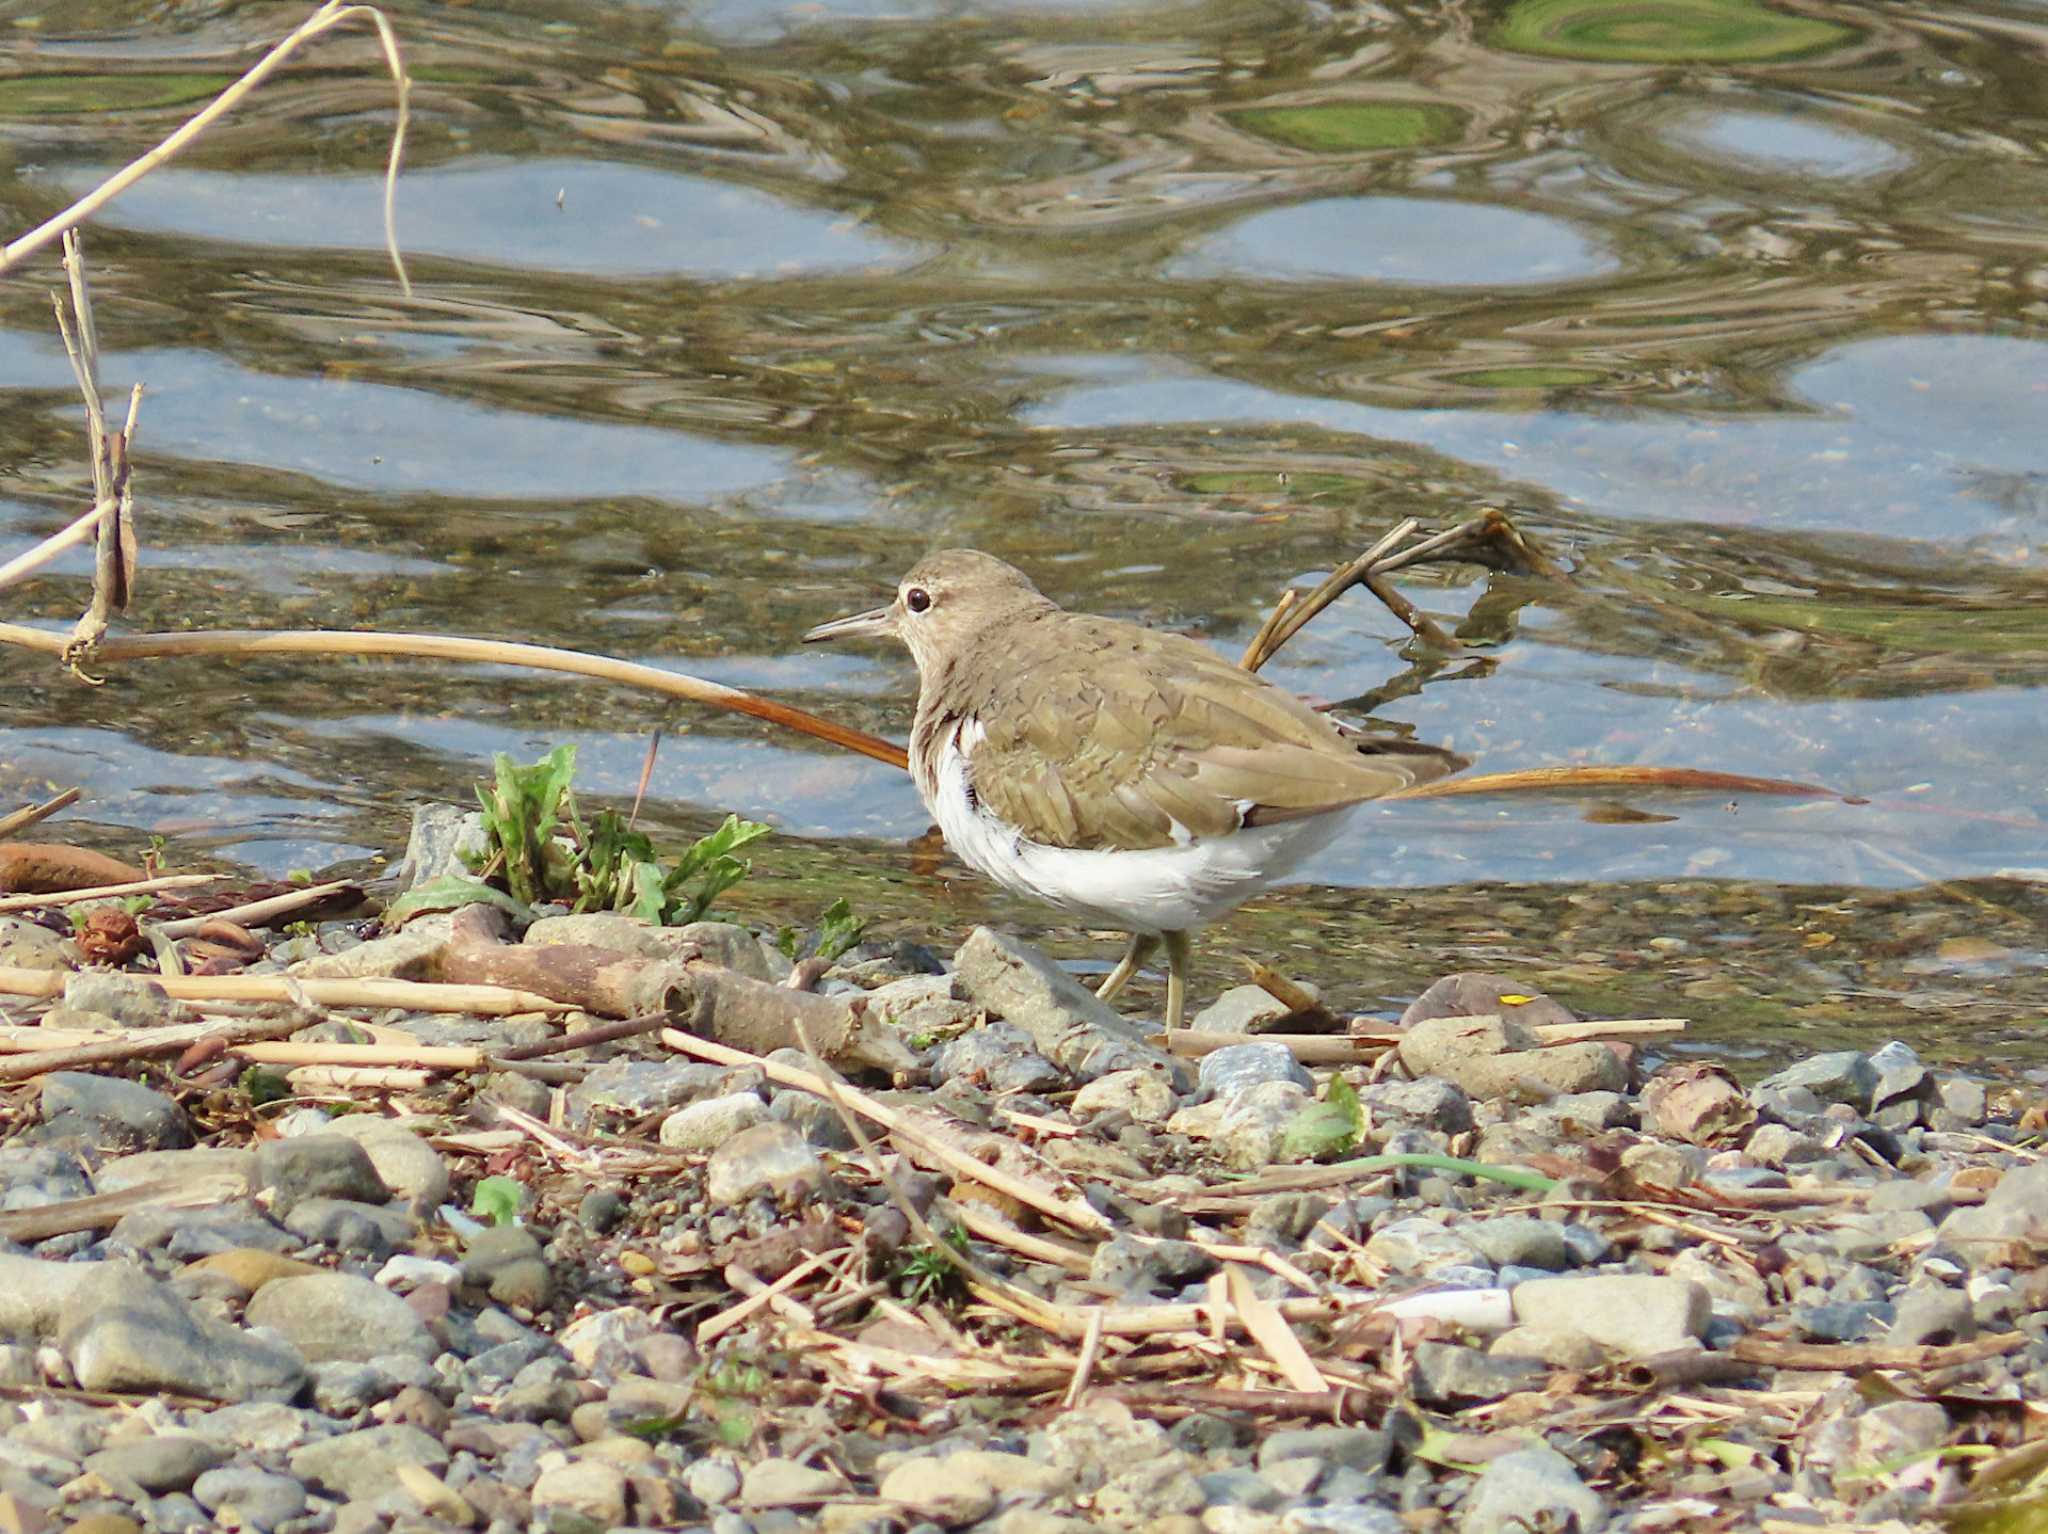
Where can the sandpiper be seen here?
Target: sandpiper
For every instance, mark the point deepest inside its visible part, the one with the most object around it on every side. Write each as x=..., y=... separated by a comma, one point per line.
x=1129, y=777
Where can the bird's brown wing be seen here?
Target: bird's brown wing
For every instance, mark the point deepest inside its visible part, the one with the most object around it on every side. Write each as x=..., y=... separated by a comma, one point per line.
x=1124, y=737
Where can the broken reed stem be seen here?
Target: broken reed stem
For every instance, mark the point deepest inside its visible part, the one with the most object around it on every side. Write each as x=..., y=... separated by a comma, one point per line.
x=414, y=995
x=108, y=891
x=329, y=16
x=255, y=913
x=20, y=820
x=23, y=565
x=1282, y=627
x=482, y=652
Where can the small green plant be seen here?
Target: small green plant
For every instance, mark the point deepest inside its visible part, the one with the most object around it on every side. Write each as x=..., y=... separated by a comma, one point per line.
x=1334, y=1125
x=734, y=1392
x=607, y=867
x=262, y=1086
x=498, y=1199
x=301, y=929
x=838, y=932
x=927, y=1273
x=299, y=876
x=135, y=905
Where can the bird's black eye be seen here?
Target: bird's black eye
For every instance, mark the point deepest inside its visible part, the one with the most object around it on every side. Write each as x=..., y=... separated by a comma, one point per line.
x=917, y=599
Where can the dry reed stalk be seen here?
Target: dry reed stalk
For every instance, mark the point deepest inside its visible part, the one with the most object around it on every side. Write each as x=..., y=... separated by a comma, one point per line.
x=482, y=652
x=329, y=16
x=109, y=891
x=256, y=913
x=20, y=820
x=412, y=995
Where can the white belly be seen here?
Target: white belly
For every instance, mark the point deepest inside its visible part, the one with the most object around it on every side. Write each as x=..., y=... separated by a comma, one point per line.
x=1155, y=890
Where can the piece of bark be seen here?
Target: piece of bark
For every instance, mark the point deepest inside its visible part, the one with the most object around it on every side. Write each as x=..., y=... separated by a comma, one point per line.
x=48, y=868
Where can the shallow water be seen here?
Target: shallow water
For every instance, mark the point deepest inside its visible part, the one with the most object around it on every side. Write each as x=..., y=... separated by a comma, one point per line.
x=724, y=313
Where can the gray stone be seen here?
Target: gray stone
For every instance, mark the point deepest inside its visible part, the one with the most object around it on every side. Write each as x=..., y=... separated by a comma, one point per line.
x=815, y=1119
x=1419, y=1245
x=414, y=953
x=507, y=1260
x=642, y=1086
x=1533, y=1488
x=712, y=1480
x=120, y=1330
x=771, y=1158
x=922, y=1008
x=787, y=1480
x=1858, y=1321
x=166, y=1462
x=1780, y=1145
x=1494, y=1057
x=1235, y=1069
x=317, y=1166
x=1558, y=1349
x=1242, y=1488
x=133, y=1001
x=1000, y=1056
x=1896, y=1431
x=1358, y=1449
x=369, y=1230
x=1429, y=1103
x=1863, y=1234
x=364, y=1464
x=1141, y=1094
x=706, y=1125
x=255, y=1499
x=1342, y=1518
x=1449, y=1375
x=1964, y=1100
x=222, y=1172
x=1242, y=1009
x=1926, y=1313
x=586, y=1489
x=112, y=1113
x=25, y=945
x=340, y=1316
x=411, y=1168
x=1254, y=1122
x=1519, y=1239
x=444, y=841
x=1632, y=1315
x=32, y=1294
x=1840, y=1076
x=1071, y=1027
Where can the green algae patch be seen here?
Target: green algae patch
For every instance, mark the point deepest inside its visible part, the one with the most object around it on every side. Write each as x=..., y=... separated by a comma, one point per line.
x=1665, y=31
x=1347, y=127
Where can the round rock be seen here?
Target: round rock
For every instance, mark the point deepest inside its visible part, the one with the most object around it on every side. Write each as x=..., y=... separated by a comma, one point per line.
x=772, y=1158
x=338, y=1315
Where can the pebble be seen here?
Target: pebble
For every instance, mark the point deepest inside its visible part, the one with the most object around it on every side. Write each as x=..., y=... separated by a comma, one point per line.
x=109, y=1113
x=772, y=1158
x=1235, y=1069
x=1631, y=1315
x=363, y=1464
x=340, y=1316
x=1531, y=1488
x=317, y=1166
x=25, y=945
x=708, y=1124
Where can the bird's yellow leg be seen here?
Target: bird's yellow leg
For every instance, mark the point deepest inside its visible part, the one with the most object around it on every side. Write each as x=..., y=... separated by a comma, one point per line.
x=1177, y=950
x=1138, y=951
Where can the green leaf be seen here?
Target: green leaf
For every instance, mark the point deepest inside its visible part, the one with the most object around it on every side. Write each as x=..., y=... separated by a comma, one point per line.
x=838, y=930
x=450, y=892
x=498, y=1199
x=1335, y=1124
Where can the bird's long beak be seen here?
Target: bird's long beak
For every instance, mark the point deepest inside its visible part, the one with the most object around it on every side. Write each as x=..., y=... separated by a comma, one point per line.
x=875, y=623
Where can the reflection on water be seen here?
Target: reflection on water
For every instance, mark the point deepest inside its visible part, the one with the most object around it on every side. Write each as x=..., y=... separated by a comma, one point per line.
x=727, y=312
x=558, y=215
x=1407, y=240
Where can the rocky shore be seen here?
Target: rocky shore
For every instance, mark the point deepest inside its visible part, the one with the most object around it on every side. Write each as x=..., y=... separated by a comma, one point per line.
x=1483, y=1272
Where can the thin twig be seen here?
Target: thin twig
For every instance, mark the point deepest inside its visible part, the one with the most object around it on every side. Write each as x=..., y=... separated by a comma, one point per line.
x=255, y=913
x=333, y=14
x=20, y=820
